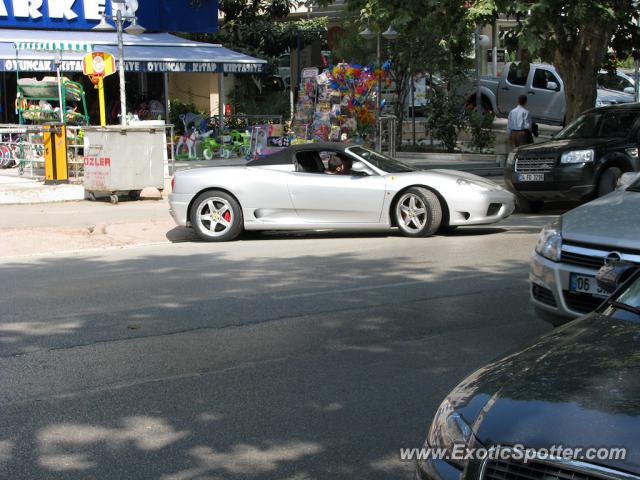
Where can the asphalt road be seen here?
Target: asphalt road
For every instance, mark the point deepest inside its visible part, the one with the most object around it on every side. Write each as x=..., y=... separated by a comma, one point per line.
x=273, y=357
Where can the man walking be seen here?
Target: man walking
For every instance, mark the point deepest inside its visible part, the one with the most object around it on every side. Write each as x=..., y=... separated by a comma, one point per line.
x=519, y=124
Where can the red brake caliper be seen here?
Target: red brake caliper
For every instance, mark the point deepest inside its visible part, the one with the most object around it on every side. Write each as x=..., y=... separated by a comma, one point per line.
x=227, y=216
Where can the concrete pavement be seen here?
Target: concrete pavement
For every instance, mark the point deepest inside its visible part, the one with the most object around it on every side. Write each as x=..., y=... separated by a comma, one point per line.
x=279, y=356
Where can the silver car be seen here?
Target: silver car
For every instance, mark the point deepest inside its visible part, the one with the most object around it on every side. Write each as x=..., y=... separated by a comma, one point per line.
x=293, y=190
x=571, y=250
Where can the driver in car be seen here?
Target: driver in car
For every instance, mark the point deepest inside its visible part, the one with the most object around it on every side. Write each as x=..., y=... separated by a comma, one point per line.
x=347, y=163
x=335, y=166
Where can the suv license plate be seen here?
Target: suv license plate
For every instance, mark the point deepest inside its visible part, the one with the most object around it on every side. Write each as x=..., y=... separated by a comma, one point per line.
x=531, y=177
x=586, y=284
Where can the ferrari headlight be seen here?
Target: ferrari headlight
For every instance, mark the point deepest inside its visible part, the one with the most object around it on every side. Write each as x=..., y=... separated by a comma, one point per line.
x=550, y=241
x=464, y=182
x=577, y=156
x=449, y=430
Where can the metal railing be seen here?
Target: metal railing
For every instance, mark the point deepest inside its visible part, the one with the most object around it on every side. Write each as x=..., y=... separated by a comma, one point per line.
x=22, y=147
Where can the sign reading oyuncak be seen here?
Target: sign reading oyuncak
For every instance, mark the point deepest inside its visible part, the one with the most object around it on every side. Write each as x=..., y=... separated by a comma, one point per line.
x=28, y=65
x=154, y=15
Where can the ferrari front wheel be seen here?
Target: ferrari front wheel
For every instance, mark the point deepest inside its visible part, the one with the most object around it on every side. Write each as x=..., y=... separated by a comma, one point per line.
x=216, y=217
x=418, y=212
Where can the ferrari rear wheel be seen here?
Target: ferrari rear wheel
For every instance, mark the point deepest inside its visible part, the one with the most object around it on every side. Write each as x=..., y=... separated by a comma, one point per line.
x=216, y=217
x=418, y=212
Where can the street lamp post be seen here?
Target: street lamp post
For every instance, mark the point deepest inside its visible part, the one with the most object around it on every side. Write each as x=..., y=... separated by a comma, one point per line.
x=390, y=34
x=133, y=29
x=480, y=41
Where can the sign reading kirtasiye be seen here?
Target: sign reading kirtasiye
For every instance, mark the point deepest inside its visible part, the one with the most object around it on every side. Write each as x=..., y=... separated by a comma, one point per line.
x=154, y=15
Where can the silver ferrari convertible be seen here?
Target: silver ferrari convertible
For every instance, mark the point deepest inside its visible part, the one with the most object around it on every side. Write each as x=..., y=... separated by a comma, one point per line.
x=332, y=186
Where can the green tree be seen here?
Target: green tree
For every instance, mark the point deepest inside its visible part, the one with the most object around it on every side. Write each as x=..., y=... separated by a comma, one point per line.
x=574, y=35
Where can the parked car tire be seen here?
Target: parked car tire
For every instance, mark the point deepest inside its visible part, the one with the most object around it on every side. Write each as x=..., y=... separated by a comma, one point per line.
x=608, y=180
x=446, y=229
x=529, y=206
x=418, y=212
x=216, y=216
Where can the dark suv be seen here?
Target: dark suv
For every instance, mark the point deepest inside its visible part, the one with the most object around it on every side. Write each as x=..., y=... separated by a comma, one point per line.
x=583, y=161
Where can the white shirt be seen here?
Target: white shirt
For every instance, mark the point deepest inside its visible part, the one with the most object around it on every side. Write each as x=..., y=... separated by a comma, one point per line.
x=519, y=119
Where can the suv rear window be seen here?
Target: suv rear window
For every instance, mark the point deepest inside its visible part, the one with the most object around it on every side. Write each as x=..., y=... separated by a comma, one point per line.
x=600, y=124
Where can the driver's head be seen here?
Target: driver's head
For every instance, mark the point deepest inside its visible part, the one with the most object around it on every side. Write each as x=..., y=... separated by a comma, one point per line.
x=347, y=163
x=335, y=164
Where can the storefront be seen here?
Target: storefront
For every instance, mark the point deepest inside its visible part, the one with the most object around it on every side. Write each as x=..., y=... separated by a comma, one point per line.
x=158, y=66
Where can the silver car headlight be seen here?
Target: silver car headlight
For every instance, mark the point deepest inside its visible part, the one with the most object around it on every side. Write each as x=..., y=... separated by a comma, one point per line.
x=449, y=431
x=602, y=103
x=577, y=156
x=511, y=159
x=465, y=182
x=550, y=241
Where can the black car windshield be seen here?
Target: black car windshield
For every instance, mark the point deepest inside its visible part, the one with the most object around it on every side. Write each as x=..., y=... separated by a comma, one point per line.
x=384, y=163
x=634, y=187
x=631, y=296
x=600, y=124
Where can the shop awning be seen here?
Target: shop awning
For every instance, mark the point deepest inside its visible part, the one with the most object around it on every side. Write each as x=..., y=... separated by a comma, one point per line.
x=150, y=52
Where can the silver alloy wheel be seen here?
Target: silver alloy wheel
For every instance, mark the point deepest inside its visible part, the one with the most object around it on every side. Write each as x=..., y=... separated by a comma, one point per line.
x=215, y=216
x=411, y=212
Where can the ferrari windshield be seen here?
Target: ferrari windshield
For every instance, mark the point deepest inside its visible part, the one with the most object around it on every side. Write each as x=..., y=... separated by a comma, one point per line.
x=384, y=163
x=600, y=124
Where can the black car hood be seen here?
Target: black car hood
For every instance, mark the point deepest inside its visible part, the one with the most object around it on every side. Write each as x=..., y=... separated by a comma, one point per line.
x=569, y=144
x=577, y=386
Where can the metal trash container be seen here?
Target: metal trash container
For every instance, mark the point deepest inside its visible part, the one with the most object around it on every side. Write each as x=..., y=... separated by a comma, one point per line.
x=123, y=160
x=56, y=169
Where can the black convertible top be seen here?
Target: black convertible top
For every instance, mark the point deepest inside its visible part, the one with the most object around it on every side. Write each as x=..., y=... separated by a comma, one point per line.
x=286, y=156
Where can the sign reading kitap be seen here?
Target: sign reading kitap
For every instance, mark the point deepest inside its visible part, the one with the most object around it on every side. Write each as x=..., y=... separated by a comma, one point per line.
x=158, y=15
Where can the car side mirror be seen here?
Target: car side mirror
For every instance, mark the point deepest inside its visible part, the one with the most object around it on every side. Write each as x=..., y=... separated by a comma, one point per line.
x=614, y=274
x=625, y=180
x=630, y=90
x=361, y=167
x=552, y=86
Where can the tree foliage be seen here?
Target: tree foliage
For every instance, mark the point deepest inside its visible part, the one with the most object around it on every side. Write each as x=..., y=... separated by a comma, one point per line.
x=257, y=28
x=574, y=35
x=433, y=36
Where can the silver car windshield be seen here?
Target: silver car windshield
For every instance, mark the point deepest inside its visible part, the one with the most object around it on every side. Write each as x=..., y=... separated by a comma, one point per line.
x=384, y=163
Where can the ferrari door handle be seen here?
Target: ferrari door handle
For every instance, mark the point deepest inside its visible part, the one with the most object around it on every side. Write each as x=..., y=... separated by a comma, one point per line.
x=531, y=93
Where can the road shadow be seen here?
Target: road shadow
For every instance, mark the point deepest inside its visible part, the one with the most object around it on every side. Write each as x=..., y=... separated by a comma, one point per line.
x=199, y=385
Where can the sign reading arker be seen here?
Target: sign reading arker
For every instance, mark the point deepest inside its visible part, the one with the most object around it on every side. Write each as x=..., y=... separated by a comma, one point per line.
x=154, y=15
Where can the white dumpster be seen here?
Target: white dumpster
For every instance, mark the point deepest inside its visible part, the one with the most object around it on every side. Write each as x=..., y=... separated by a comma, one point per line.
x=123, y=160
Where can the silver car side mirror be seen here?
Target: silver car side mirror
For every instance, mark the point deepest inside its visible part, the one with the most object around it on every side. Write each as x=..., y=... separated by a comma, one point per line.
x=361, y=167
x=625, y=180
x=630, y=90
x=552, y=86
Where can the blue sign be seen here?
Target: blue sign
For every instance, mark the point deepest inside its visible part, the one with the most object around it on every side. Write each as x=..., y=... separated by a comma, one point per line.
x=154, y=15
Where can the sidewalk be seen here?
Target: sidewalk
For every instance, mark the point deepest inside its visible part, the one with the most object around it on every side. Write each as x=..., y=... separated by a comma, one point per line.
x=18, y=189
x=56, y=228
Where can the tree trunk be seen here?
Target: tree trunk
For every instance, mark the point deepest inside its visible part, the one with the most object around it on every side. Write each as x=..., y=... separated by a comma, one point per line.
x=578, y=64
